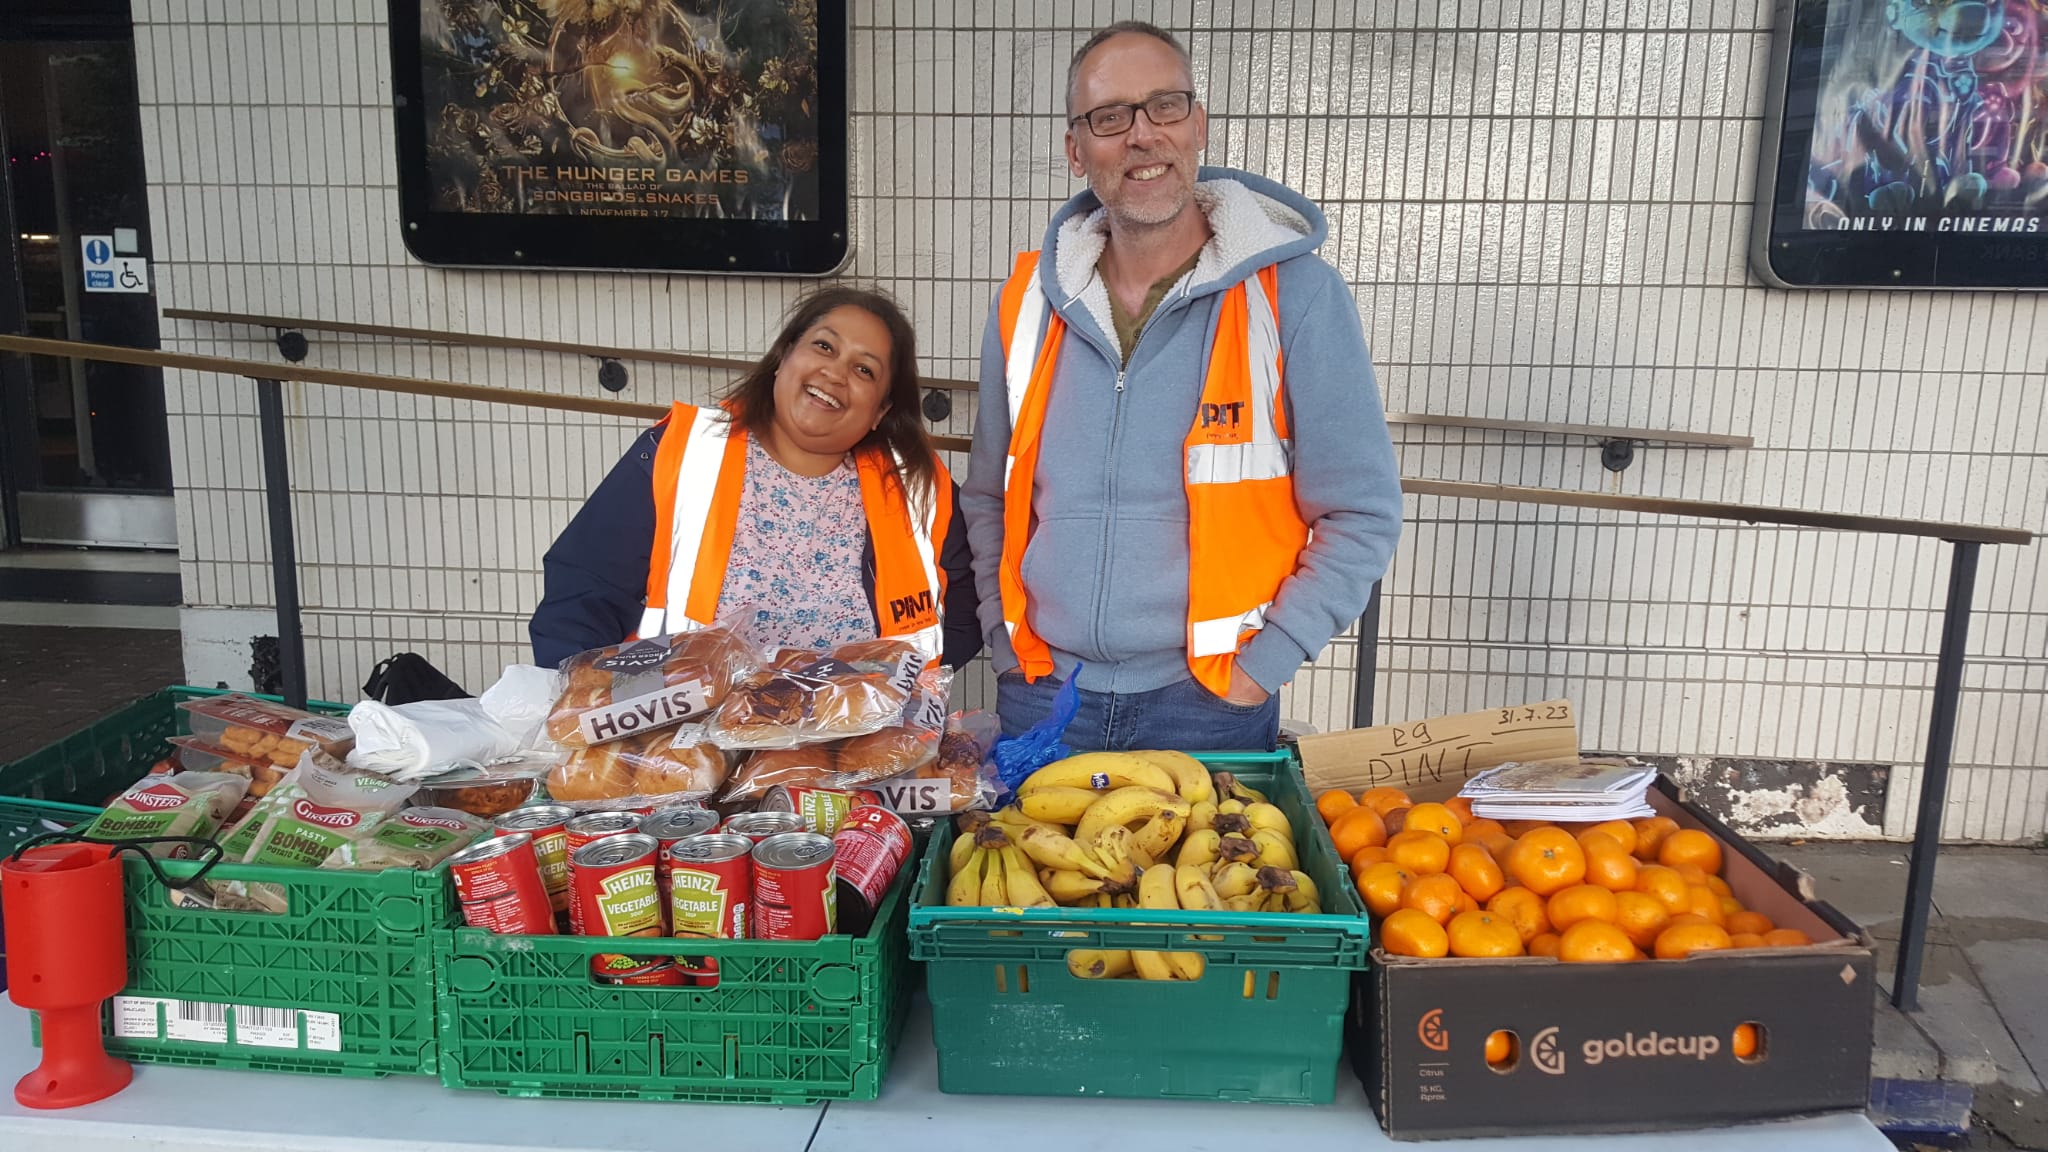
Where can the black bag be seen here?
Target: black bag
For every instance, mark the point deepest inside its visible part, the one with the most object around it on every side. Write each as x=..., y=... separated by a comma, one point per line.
x=407, y=677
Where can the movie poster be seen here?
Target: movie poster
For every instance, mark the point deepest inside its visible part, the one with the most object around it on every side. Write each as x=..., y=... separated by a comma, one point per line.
x=1931, y=116
x=667, y=109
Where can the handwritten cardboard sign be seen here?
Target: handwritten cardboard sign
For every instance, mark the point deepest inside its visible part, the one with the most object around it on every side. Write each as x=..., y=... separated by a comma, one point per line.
x=1440, y=749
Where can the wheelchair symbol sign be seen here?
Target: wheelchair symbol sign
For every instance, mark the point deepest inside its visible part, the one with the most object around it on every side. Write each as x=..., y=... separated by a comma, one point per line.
x=107, y=272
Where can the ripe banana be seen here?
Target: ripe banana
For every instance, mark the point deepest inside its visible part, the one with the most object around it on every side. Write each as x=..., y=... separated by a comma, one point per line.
x=1304, y=898
x=1152, y=966
x=1192, y=887
x=1128, y=806
x=1113, y=848
x=994, y=890
x=1054, y=849
x=1230, y=849
x=1198, y=849
x=1058, y=805
x=1264, y=815
x=964, y=891
x=1190, y=778
x=1155, y=890
x=1157, y=836
x=1275, y=850
x=1100, y=772
x=1187, y=965
x=1070, y=888
x=1234, y=878
x=1202, y=816
x=1229, y=785
x=1229, y=806
x=1020, y=883
x=1252, y=901
x=958, y=855
x=1234, y=824
x=1099, y=963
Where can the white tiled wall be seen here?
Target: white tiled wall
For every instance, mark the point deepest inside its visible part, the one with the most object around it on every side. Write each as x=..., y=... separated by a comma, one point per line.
x=1542, y=207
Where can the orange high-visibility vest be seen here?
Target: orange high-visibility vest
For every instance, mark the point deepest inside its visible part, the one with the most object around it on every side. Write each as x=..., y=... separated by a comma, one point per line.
x=1245, y=535
x=700, y=472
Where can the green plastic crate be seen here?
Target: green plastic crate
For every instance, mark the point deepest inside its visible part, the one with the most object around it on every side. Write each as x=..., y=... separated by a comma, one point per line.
x=790, y=1022
x=251, y=989
x=1265, y=1023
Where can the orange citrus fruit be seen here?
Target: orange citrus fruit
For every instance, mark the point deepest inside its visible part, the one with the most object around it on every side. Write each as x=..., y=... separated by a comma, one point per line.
x=1480, y=826
x=1461, y=808
x=1476, y=871
x=1745, y=940
x=1623, y=832
x=1355, y=829
x=1595, y=942
x=1666, y=885
x=1691, y=846
x=1397, y=820
x=1381, y=886
x=1730, y=906
x=1693, y=874
x=1435, y=895
x=1591, y=839
x=1546, y=860
x=1381, y=799
x=1524, y=909
x=1500, y=1047
x=1483, y=934
x=1682, y=940
x=1579, y=902
x=1498, y=843
x=1642, y=916
x=1521, y=828
x=1610, y=867
x=1411, y=933
x=1719, y=886
x=1435, y=818
x=1690, y=918
x=1650, y=834
x=1545, y=944
x=1701, y=901
x=1786, y=938
x=1333, y=804
x=1743, y=1044
x=1466, y=903
x=1422, y=853
x=1367, y=857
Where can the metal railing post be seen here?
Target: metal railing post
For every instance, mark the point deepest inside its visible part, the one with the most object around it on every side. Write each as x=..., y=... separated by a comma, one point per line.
x=1941, y=734
x=284, y=561
x=1368, y=661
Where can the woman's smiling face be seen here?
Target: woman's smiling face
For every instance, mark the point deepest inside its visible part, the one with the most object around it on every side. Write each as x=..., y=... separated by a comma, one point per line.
x=833, y=384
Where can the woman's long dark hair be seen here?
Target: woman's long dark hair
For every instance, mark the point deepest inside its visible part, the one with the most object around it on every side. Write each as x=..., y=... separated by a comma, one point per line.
x=900, y=435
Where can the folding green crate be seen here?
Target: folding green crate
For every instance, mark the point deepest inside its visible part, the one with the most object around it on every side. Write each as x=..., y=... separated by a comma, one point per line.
x=1264, y=1023
x=340, y=984
x=789, y=1022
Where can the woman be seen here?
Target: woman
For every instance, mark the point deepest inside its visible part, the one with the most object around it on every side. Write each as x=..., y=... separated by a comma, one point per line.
x=809, y=506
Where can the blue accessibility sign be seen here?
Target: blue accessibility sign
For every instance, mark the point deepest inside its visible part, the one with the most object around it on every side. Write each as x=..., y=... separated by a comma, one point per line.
x=98, y=251
x=99, y=279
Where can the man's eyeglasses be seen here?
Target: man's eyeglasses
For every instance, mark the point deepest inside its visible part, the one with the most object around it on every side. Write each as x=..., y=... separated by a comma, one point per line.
x=1116, y=119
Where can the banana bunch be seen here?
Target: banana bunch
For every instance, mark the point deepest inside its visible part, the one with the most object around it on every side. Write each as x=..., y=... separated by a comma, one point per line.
x=1132, y=830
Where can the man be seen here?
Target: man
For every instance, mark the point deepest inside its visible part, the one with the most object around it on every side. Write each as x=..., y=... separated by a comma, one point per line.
x=1173, y=488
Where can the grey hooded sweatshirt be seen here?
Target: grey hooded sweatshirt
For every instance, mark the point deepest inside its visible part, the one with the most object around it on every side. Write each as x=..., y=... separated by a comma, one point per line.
x=1107, y=565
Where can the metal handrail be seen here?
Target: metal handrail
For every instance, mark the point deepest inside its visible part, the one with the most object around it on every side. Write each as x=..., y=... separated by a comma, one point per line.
x=1603, y=432
x=1967, y=540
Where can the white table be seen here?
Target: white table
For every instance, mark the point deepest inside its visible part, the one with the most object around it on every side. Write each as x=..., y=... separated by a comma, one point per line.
x=171, y=1109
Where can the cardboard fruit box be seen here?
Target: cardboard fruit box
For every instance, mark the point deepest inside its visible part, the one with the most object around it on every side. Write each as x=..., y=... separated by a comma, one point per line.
x=1622, y=1047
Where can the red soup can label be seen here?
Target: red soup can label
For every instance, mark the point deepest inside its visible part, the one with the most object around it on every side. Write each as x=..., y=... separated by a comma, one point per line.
x=823, y=809
x=795, y=897
x=872, y=847
x=710, y=880
x=498, y=884
x=593, y=826
x=548, y=825
x=669, y=826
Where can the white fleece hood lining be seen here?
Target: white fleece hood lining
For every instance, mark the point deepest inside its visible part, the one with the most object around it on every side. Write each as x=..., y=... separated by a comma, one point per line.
x=1242, y=223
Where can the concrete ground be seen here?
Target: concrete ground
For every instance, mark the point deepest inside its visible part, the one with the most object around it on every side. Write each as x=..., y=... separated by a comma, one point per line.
x=1983, y=1013
x=54, y=681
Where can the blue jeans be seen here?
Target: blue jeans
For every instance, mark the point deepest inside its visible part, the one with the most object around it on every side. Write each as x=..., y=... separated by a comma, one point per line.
x=1183, y=715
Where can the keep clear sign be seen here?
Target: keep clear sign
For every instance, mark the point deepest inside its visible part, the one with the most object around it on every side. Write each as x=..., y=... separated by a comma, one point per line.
x=107, y=271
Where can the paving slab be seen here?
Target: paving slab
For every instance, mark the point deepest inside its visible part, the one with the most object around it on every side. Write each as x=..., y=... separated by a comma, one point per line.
x=1865, y=882
x=2014, y=974
x=1899, y=1050
x=1975, y=1046
x=1993, y=884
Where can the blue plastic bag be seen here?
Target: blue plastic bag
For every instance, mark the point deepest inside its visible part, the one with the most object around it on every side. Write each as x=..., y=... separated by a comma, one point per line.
x=1017, y=757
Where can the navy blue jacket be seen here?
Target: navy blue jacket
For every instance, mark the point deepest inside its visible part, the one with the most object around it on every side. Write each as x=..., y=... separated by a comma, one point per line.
x=596, y=572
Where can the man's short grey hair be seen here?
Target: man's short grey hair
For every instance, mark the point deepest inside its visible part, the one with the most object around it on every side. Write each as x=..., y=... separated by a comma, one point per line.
x=1142, y=28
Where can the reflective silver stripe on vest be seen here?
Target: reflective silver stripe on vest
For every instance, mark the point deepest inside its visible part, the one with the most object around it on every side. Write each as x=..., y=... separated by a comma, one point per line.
x=1022, y=354
x=1266, y=456
x=1219, y=637
x=924, y=514
x=696, y=490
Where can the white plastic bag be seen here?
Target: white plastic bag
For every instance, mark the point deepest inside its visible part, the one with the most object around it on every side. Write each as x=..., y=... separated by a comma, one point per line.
x=520, y=702
x=410, y=741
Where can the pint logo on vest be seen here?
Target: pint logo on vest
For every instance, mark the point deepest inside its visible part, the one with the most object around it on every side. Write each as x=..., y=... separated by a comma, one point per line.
x=1215, y=414
x=912, y=607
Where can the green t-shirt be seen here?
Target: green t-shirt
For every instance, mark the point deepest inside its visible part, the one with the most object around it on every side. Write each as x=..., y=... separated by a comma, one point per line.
x=1128, y=324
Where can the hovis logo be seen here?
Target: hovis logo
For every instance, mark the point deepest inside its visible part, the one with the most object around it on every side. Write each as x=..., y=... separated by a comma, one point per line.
x=1631, y=1046
x=1545, y=1053
x=1222, y=414
x=910, y=607
x=1431, y=1031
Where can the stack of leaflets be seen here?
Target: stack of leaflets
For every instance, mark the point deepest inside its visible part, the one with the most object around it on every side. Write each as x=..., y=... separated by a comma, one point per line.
x=1588, y=791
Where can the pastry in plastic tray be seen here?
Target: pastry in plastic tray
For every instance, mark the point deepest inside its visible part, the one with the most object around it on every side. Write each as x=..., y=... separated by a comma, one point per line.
x=196, y=755
x=668, y=765
x=262, y=729
x=640, y=686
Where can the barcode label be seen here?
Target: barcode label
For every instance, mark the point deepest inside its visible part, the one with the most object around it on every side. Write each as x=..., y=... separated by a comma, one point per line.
x=206, y=1022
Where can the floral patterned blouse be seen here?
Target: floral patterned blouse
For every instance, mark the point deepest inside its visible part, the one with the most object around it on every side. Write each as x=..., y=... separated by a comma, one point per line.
x=795, y=569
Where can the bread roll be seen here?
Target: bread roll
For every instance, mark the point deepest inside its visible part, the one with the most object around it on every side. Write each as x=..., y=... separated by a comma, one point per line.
x=889, y=752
